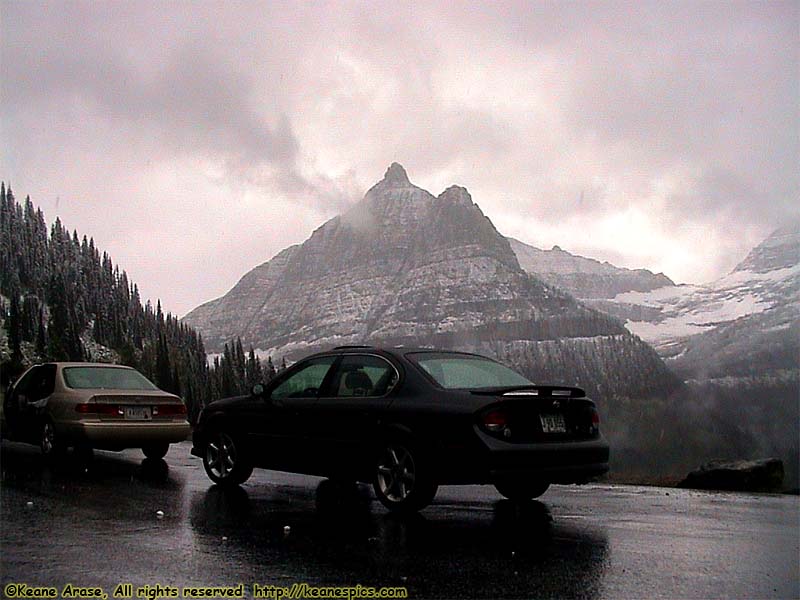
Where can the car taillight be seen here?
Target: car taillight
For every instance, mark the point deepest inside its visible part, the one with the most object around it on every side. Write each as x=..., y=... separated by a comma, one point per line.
x=496, y=421
x=169, y=410
x=595, y=421
x=87, y=408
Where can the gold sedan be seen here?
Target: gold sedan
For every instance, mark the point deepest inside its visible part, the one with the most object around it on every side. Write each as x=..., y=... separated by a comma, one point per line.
x=92, y=405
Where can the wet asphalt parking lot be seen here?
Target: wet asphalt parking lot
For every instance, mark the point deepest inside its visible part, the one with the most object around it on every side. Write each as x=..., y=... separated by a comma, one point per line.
x=162, y=523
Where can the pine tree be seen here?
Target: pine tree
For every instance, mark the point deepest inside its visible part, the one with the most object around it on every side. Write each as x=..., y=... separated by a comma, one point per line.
x=41, y=336
x=270, y=370
x=14, y=327
x=228, y=385
x=163, y=370
x=175, y=382
x=239, y=364
x=59, y=283
x=254, y=372
x=63, y=329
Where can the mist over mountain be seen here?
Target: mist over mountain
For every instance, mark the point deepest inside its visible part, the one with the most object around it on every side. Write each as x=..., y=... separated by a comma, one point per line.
x=406, y=267
x=403, y=266
x=735, y=341
x=744, y=324
x=584, y=278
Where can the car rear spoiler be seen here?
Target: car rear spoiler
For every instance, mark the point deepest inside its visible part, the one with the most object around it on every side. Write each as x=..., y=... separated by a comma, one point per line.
x=539, y=391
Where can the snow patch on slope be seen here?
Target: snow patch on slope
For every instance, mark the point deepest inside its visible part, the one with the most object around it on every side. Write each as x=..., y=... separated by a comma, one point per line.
x=703, y=318
x=770, y=282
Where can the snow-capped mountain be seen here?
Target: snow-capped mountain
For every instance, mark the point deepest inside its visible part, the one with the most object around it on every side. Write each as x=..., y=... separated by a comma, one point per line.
x=768, y=279
x=405, y=267
x=743, y=324
x=584, y=278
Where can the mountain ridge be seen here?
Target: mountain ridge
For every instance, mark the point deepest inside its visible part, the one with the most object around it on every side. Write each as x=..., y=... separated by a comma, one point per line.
x=768, y=278
x=754, y=310
x=405, y=267
x=585, y=278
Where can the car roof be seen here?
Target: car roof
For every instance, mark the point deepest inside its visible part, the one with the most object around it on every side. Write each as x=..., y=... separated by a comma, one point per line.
x=88, y=364
x=397, y=351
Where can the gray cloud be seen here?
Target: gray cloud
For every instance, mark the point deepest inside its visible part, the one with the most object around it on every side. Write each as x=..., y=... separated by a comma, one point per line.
x=245, y=125
x=183, y=96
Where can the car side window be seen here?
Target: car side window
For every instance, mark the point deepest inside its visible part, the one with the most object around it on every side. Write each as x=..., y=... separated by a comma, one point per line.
x=25, y=386
x=363, y=375
x=44, y=382
x=305, y=382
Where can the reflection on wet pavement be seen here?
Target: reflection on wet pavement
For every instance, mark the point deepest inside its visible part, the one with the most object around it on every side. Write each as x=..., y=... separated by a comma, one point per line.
x=344, y=538
x=122, y=518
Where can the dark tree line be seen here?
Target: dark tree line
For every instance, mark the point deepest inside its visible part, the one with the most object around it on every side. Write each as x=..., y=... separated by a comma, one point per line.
x=64, y=299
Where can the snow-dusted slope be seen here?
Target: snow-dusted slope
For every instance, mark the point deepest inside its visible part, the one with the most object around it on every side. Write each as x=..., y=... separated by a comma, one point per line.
x=767, y=279
x=690, y=310
x=406, y=267
x=743, y=324
x=701, y=329
x=584, y=278
x=779, y=251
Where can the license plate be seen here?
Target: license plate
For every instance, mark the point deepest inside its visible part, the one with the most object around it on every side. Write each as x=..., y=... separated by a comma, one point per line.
x=138, y=413
x=553, y=423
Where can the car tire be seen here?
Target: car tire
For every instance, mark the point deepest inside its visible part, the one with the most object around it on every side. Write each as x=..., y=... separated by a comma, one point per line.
x=521, y=491
x=224, y=461
x=49, y=440
x=155, y=451
x=402, y=481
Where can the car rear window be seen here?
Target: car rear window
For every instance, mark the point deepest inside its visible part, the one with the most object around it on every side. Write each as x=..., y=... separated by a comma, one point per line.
x=459, y=371
x=106, y=378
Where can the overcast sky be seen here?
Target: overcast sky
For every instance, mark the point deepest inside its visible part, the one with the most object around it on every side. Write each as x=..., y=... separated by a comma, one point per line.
x=196, y=140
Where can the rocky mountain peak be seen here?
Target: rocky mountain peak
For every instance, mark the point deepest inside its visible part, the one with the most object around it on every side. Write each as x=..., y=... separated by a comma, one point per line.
x=405, y=267
x=779, y=251
x=457, y=195
x=396, y=176
x=585, y=278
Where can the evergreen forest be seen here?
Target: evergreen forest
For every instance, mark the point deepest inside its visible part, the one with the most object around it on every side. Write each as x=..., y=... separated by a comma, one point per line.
x=63, y=299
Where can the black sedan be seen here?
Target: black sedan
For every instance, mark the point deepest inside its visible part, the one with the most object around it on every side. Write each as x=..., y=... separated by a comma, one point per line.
x=406, y=420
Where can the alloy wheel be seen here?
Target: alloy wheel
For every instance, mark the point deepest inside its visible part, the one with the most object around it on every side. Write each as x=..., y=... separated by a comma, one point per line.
x=224, y=460
x=221, y=456
x=397, y=473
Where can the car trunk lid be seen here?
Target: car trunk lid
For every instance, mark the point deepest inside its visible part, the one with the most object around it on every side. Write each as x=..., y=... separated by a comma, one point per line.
x=538, y=413
x=539, y=391
x=134, y=406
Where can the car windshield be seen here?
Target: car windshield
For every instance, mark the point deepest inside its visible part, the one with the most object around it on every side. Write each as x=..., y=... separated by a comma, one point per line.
x=463, y=371
x=106, y=378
